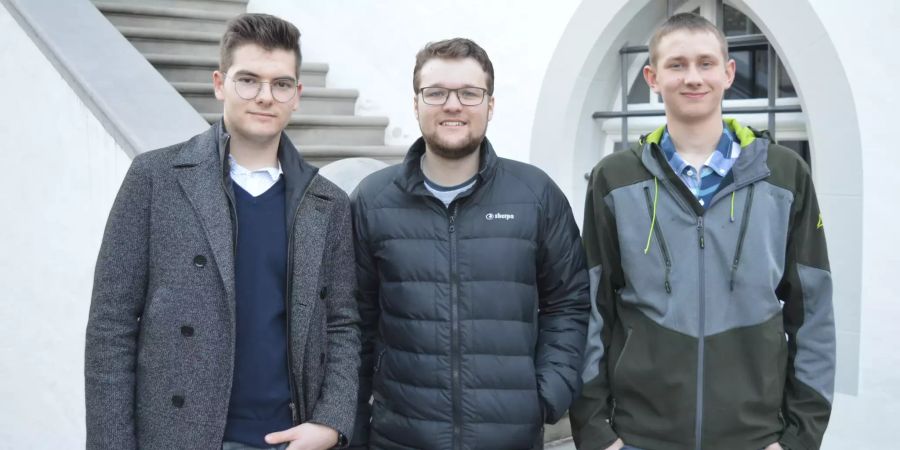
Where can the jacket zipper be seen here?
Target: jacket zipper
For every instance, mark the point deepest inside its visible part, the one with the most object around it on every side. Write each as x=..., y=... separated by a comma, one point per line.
x=454, y=331
x=377, y=366
x=660, y=241
x=231, y=209
x=289, y=283
x=232, y=213
x=701, y=335
x=740, y=243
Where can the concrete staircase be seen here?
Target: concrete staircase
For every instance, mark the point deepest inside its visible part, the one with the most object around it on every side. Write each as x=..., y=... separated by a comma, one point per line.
x=180, y=38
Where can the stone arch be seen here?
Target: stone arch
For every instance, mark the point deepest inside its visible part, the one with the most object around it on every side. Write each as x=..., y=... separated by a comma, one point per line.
x=582, y=77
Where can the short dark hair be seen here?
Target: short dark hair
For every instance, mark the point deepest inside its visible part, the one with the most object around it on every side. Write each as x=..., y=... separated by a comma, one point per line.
x=686, y=22
x=456, y=48
x=264, y=30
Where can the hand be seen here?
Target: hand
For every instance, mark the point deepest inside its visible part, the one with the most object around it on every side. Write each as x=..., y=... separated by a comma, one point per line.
x=774, y=446
x=306, y=436
x=616, y=445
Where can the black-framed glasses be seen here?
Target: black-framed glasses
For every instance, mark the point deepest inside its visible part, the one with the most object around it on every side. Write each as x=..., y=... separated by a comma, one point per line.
x=248, y=88
x=467, y=96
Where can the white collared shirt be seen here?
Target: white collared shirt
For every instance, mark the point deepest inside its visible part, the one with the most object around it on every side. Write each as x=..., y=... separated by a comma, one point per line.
x=255, y=182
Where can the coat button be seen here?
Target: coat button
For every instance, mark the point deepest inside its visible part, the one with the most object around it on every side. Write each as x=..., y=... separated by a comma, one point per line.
x=187, y=331
x=200, y=261
x=323, y=292
x=177, y=401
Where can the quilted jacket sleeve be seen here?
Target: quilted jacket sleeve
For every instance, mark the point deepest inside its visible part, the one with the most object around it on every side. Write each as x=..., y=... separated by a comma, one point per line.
x=367, y=303
x=564, y=305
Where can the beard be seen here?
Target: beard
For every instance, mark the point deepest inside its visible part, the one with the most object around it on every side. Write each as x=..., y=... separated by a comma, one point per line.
x=448, y=150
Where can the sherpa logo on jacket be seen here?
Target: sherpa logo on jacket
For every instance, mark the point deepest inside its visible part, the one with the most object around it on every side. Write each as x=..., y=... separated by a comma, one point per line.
x=499, y=216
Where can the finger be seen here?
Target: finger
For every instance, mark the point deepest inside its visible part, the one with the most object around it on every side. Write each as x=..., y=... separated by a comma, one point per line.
x=280, y=437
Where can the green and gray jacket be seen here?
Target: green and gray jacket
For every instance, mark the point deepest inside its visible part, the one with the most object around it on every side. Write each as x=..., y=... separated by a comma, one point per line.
x=711, y=328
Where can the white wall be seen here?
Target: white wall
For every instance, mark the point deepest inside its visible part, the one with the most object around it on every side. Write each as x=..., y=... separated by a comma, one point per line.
x=61, y=171
x=372, y=49
x=371, y=46
x=866, y=36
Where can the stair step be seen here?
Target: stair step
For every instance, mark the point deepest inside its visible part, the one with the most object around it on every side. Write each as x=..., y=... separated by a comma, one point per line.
x=186, y=68
x=233, y=7
x=320, y=155
x=330, y=130
x=180, y=38
x=162, y=17
x=173, y=42
x=314, y=100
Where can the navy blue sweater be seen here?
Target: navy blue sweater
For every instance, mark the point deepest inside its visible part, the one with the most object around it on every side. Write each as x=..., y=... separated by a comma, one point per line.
x=260, y=394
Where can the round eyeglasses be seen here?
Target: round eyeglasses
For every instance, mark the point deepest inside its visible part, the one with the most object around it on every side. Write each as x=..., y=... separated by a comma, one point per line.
x=248, y=88
x=467, y=96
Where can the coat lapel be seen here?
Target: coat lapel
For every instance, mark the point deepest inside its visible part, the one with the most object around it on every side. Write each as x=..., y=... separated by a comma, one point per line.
x=200, y=175
x=310, y=234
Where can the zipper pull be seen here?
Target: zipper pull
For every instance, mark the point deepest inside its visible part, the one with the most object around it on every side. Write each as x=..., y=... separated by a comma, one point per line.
x=453, y=219
x=700, y=231
x=734, y=266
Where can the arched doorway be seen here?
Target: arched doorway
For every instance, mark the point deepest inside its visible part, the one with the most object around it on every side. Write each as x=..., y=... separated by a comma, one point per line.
x=583, y=77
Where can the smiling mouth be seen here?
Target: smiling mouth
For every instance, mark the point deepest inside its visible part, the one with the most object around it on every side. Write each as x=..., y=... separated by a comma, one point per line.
x=261, y=114
x=693, y=94
x=453, y=123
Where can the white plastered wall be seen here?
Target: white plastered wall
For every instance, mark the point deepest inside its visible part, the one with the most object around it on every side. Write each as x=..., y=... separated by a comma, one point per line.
x=838, y=55
x=864, y=36
x=61, y=173
x=371, y=46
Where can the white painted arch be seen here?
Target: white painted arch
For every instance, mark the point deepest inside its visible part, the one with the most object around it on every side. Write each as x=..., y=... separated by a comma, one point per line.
x=583, y=77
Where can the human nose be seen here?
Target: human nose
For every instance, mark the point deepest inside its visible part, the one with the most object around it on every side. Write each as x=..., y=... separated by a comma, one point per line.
x=265, y=93
x=692, y=76
x=453, y=103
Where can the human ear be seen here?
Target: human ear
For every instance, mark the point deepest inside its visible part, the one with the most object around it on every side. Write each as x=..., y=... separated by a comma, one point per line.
x=650, y=77
x=219, y=84
x=490, y=108
x=729, y=73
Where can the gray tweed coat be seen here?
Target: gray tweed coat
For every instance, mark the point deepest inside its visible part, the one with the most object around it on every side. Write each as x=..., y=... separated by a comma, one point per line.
x=159, y=354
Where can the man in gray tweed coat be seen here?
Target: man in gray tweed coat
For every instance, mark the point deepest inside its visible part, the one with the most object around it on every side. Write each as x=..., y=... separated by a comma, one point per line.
x=222, y=315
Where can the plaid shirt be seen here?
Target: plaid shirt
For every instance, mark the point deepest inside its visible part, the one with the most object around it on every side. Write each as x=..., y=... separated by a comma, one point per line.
x=704, y=182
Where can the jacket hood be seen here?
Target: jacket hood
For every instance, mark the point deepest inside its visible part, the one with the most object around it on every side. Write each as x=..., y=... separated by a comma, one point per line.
x=745, y=135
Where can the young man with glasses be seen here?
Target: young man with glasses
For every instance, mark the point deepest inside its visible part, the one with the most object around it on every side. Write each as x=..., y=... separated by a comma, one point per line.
x=712, y=323
x=473, y=292
x=223, y=314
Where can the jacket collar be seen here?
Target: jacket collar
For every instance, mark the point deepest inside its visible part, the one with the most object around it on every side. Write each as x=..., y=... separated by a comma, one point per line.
x=411, y=178
x=215, y=142
x=750, y=166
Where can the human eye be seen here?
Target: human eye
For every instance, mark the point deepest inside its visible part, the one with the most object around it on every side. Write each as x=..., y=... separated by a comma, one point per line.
x=434, y=93
x=283, y=84
x=245, y=80
x=470, y=93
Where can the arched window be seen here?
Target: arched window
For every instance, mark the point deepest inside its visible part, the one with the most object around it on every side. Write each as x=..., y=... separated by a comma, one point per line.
x=762, y=96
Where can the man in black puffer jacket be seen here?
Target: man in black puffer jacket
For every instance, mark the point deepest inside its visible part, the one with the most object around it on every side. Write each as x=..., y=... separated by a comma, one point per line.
x=473, y=290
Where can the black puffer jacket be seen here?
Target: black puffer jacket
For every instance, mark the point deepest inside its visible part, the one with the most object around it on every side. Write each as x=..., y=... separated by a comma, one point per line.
x=474, y=316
